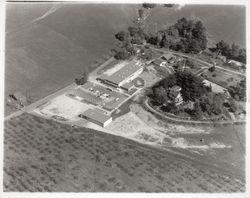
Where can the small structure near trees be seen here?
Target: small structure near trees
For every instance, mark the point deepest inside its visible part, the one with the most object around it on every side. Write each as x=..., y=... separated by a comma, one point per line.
x=175, y=95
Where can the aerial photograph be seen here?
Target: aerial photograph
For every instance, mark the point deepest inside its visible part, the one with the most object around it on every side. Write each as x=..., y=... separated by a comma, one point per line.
x=145, y=97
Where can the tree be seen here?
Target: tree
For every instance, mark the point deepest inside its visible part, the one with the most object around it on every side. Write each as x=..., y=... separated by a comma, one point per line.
x=147, y=54
x=197, y=112
x=192, y=86
x=193, y=46
x=141, y=13
x=242, y=56
x=82, y=80
x=232, y=105
x=130, y=49
x=223, y=47
x=235, y=51
x=133, y=31
x=122, y=55
x=212, y=69
x=160, y=95
x=121, y=36
x=173, y=31
x=148, y=5
x=169, y=5
x=238, y=92
x=153, y=40
x=217, y=103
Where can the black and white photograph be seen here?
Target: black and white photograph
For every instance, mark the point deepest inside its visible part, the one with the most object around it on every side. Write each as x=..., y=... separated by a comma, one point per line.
x=124, y=97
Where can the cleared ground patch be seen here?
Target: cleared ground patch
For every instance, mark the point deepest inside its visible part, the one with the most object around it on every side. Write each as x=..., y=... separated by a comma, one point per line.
x=62, y=106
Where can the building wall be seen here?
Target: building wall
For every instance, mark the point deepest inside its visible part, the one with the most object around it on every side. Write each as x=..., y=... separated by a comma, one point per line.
x=97, y=122
x=129, y=78
x=107, y=122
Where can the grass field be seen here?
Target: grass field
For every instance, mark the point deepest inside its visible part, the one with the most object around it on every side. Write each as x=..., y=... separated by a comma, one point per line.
x=43, y=155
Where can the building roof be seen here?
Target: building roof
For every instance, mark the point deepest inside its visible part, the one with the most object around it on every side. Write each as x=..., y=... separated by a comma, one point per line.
x=96, y=115
x=124, y=73
x=127, y=85
x=237, y=63
x=175, y=88
x=167, y=56
x=158, y=61
x=215, y=88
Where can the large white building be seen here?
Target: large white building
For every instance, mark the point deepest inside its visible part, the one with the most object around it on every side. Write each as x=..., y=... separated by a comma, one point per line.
x=124, y=75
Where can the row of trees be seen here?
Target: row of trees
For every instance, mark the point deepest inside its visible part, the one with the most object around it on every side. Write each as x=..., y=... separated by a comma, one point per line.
x=232, y=51
x=186, y=35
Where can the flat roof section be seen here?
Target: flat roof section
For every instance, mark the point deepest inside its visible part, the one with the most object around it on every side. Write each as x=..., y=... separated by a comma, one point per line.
x=123, y=73
x=127, y=85
x=158, y=61
x=96, y=115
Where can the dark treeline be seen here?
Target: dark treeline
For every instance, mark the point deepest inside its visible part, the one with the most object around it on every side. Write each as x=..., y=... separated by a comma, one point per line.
x=233, y=52
x=187, y=36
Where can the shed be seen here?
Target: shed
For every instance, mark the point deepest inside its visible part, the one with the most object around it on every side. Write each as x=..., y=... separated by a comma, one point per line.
x=96, y=117
x=159, y=62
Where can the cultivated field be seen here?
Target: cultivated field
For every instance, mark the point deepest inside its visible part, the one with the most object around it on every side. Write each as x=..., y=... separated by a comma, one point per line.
x=49, y=53
x=43, y=155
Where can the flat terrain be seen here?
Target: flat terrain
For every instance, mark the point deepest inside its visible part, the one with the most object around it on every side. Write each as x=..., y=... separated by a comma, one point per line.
x=49, y=45
x=43, y=155
x=46, y=49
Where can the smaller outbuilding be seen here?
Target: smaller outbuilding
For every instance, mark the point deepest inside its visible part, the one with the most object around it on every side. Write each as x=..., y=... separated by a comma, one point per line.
x=169, y=57
x=235, y=64
x=216, y=88
x=96, y=117
x=127, y=86
x=175, y=94
x=159, y=62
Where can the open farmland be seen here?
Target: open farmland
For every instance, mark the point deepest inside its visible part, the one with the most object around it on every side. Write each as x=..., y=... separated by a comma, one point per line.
x=43, y=155
x=44, y=54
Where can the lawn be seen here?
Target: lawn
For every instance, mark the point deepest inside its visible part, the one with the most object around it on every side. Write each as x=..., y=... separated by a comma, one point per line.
x=45, y=156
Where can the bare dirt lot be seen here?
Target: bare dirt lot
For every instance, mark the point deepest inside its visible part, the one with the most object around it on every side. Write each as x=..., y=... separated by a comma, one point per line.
x=43, y=155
